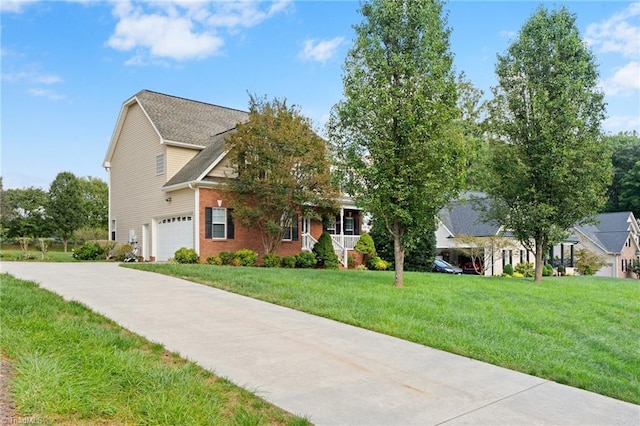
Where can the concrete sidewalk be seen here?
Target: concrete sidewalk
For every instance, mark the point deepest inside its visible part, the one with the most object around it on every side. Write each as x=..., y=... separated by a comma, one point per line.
x=332, y=373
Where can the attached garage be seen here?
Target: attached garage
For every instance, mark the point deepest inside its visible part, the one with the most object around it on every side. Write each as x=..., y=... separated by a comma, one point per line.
x=172, y=233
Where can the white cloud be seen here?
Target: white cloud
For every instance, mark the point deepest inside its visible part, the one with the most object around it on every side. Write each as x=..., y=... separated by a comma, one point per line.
x=626, y=79
x=15, y=6
x=31, y=77
x=46, y=93
x=622, y=123
x=320, y=50
x=164, y=36
x=618, y=34
x=183, y=29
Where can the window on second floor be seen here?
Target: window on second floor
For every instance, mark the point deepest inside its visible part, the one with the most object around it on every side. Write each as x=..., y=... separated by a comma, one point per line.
x=159, y=164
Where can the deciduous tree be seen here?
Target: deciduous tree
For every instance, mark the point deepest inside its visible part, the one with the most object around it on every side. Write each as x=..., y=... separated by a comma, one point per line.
x=550, y=166
x=66, y=206
x=282, y=170
x=625, y=147
x=23, y=212
x=396, y=133
x=96, y=199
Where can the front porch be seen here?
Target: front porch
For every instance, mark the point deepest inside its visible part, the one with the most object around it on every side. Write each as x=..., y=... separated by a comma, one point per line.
x=345, y=229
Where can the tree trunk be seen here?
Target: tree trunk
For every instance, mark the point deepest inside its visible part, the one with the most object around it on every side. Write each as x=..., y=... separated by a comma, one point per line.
x=65, y=241
x=398, y=254
x=539, y=259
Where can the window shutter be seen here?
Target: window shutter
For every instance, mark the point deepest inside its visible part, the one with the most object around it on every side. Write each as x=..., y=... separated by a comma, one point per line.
x=356, y=226
x=294, y=228
x=231, y=230
x=207, y=223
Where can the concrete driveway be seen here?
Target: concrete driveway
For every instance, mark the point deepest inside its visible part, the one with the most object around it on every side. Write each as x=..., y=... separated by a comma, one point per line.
x=332, y=373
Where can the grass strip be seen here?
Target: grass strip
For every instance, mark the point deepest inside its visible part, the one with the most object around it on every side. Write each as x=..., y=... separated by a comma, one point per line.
x=73, y=366
x=579, y=331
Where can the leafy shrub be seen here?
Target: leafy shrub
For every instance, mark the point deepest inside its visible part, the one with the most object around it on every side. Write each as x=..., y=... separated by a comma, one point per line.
x=246, y=257
x=361, y=268
x=366, y=247
x=562, y=269
x=288, y=262
x=88, y=251
x=121, y=251
x=107, y=247
x=525, y=268
x=377, y=264
x=508, y=269
x=186, y=255
x=547, y=270
x=214, y=260
x=271, y=260
x=227, y=257
x=587, y=262
x=306, y=260
x=517, y=274
x=324, y=252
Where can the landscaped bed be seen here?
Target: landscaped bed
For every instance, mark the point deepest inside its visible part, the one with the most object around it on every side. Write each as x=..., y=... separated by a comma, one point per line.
x=579, y=331
x=72, y=366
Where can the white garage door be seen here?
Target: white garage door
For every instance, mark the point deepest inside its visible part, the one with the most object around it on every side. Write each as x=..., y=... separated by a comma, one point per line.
x=173, y=232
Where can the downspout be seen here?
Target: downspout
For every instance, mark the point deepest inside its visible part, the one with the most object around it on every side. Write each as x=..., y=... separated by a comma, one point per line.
x=196, y=218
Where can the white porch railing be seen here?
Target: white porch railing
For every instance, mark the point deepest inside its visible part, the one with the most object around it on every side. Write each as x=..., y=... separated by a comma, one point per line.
x=346, y=241
x=308, y=242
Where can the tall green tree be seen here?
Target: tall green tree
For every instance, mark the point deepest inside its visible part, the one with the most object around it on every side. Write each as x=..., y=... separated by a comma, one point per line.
x=66, y=206
x=23, y=213
x=474, y=111
x=397, y=134
x=630, y=190
x=96, y=198
x=282, y=170
x=625, y=147
x=550, y=164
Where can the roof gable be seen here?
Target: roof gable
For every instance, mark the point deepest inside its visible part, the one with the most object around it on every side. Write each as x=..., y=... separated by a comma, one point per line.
x=610, y=231
x=464, y=217
x=203, y=162
x=185, y=121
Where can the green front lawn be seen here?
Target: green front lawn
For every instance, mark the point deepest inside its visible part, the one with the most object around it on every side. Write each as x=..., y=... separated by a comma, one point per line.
x=8, y=252
x=580, y=331
x=72, y=366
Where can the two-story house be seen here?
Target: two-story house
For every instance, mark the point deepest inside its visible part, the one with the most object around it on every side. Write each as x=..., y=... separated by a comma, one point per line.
x=167, y=166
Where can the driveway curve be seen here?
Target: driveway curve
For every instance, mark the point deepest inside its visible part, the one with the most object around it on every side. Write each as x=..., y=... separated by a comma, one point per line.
x=332, y=373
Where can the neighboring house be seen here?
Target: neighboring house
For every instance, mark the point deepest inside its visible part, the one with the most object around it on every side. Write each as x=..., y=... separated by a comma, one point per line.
x=462, y=234
x=167, y=165
x=616, y=238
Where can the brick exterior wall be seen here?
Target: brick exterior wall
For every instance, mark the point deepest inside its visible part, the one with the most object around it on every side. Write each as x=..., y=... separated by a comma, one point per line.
x=244, y=238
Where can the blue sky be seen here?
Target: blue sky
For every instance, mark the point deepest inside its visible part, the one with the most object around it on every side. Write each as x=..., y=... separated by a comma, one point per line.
x=67, y=66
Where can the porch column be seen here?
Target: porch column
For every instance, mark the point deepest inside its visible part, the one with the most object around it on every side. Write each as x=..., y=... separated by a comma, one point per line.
x=572, y=246
x=342, y=226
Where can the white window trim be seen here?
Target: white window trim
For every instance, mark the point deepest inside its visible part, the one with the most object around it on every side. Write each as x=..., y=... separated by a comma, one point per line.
x=223, y=223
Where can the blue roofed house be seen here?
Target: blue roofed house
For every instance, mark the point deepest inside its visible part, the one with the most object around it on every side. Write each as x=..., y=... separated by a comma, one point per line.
x=616, y=238
x=463, y=237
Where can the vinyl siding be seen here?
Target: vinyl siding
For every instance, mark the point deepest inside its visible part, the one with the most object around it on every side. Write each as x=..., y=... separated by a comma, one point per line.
x=223, y=169
x=136, y=192
x=177, y=158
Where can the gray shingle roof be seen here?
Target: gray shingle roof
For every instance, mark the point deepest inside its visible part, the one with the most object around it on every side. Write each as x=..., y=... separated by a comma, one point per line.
x=464, y=217
x=201, y=162
x=186, y=121
x=611, y=230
